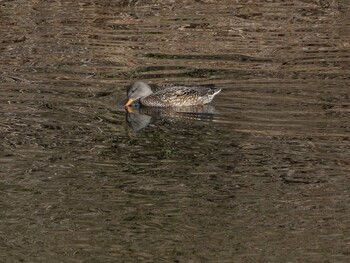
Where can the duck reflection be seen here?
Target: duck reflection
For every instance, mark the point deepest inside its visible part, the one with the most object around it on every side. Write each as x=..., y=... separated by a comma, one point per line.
x=138, y=118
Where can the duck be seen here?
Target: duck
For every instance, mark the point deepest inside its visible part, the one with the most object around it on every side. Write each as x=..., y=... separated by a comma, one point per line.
x=170, y=95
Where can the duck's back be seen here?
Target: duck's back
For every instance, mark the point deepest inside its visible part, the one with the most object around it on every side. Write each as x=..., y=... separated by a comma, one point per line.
x=180, y=96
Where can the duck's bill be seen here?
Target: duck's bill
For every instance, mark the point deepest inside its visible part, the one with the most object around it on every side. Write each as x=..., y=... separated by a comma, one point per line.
x=128, y=102
x=129, y=109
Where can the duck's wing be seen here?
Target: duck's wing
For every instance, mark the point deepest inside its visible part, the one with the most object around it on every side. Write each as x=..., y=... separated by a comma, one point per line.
x=200, y=91
x=177, y=85
x=186, y=95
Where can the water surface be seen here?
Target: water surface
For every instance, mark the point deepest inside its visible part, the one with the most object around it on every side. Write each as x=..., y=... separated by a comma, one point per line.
x=263, y=176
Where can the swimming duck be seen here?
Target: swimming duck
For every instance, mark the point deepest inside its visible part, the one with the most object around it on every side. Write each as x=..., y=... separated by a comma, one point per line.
x=170, y=95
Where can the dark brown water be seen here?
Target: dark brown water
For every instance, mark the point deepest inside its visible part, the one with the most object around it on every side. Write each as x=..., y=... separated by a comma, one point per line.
x=260, y=176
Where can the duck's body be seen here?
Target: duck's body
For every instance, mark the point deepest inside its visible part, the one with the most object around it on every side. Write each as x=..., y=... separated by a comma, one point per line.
x=171, y=95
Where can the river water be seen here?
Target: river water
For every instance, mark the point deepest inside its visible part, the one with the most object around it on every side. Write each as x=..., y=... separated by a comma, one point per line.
x=260, y=175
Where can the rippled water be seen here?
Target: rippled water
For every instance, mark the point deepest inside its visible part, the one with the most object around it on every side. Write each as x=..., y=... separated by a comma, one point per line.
x=261, y=175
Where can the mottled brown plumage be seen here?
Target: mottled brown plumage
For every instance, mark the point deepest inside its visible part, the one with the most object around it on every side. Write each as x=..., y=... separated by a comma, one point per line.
x=170, y=95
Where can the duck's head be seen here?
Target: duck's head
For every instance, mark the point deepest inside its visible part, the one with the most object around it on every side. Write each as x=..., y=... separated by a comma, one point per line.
x=136, y=91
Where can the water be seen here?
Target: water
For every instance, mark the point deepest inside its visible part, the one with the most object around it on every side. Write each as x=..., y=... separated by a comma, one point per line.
x=260, y=176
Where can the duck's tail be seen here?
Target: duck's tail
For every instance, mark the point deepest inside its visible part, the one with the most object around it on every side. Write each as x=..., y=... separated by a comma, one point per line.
x=216, y=91
x=212, y=94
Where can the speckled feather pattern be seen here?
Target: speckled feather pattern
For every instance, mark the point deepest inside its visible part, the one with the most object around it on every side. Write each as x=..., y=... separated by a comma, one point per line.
x=180, y=96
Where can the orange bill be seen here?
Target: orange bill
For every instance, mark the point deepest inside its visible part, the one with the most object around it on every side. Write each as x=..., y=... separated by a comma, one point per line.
x=129, y=102
x=129, y=109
